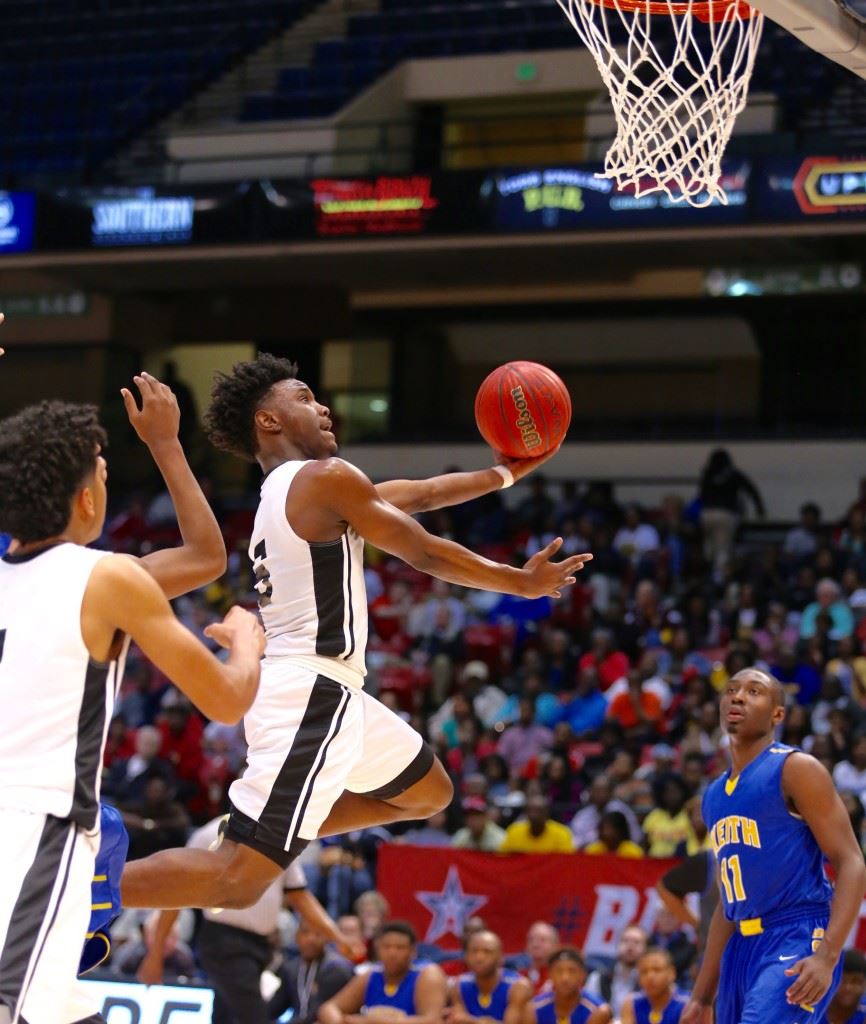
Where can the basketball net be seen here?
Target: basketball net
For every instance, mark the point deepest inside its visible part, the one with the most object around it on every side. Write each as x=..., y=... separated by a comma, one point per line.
x=678, y=75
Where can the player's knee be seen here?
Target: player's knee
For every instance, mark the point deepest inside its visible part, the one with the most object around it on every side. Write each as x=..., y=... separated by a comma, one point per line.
x=435, y=792
x=239, y=886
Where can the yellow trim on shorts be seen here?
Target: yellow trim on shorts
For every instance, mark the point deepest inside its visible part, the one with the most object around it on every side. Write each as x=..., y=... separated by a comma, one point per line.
x=751, y=926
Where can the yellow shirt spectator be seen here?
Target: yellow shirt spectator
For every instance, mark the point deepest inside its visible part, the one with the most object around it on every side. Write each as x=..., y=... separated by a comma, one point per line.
x=665, y=831
x=537, y=833
x=625, y=849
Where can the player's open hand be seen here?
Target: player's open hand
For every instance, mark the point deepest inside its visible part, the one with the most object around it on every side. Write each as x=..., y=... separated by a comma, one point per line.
x=239, y=629
x=519, y=468
x=545, y=578
x=814, y=976
x=158, y=419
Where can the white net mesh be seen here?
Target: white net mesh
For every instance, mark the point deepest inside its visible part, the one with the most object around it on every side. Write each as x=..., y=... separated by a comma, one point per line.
x=677, y=83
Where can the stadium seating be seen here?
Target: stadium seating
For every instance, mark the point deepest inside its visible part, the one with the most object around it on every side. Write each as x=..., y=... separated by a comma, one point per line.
x=81, y=78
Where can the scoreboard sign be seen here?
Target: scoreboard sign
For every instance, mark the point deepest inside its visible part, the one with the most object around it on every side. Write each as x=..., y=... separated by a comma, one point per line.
x=128, y=1003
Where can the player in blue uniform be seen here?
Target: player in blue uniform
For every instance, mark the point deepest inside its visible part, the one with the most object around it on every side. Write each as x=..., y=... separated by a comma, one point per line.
x=849, y=1003
x=105, y=888
x=566, y=1003
x=659, y=1000
x=487, y=992
x=394, y=990
x=776, y=937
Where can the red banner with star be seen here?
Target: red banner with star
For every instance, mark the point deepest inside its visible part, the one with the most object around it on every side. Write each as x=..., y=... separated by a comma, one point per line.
x=588, y=899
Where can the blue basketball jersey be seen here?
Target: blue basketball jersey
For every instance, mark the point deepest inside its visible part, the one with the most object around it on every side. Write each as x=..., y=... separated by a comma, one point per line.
x=380, y=994
x=644, y=1013
x=493, y=1005
x=767, y=857
x=545, y=1011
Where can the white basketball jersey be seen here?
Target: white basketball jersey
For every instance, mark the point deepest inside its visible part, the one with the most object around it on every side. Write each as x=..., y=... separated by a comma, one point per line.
x=312, y=596
x=55, y=702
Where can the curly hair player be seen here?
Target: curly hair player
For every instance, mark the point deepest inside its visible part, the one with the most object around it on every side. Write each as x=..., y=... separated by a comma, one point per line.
x=324, y=757
x=776, y=936
x=66, y=616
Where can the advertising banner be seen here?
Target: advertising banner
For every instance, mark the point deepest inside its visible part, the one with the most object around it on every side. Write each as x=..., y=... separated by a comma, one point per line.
x=17, y=219
x=588, y=899
x=812, y=187
x=123, y=1002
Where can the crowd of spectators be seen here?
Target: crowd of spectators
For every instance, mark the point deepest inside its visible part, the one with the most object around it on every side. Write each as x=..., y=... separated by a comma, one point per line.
x=588, y=723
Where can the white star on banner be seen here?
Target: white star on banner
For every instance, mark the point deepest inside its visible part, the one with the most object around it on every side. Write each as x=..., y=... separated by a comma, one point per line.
x=451, y=908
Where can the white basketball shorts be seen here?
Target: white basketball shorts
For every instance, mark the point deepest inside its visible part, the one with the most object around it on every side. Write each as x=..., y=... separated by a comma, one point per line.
x=311, y=738
x=46, y=870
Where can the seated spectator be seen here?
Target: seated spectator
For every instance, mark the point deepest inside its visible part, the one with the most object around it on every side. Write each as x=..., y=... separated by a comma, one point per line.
x=849, y=667
x=832, y=696
x=157, y=821
x=309, y=979
x=668, y=934
x=487, y=700
x=560, y=785
x=126, y=779
x=542, y=941
x=429, y=833
x=394, y=988
x=495, y=771
x=775, y=630
x=586, y=823
x=487, y=991
x=524, y=740
x=636, y=539
x=560, y=662
x=800, y=679
x=586, y=710
x=439, y=622
x=178, y=960
x=848, y=1005
x=694, y=772
x=390, y=611
x=181, y=729
x=668, y=825
x=802, y=541
x=566, y=999
x=658, y=997
x=479, y=832
x=613, y=837
x=828, y=598
x=652, y=681
x=850, y=774
x=537, y=833
x=608, y=663
x=119, y=743
x=638, y=711
x=372, y=909
x=612, y=985
x=745, y=615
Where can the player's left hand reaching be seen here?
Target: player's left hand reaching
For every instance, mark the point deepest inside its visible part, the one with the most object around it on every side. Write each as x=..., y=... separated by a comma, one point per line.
x=814, y=977
x=158, y=419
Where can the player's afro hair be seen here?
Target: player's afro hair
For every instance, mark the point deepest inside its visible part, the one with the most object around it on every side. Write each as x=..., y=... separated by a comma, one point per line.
x=235, y=397
x=47, y=451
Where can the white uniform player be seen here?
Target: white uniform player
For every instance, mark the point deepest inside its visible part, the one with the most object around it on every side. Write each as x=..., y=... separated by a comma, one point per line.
x=56, y=705
x=312, y=731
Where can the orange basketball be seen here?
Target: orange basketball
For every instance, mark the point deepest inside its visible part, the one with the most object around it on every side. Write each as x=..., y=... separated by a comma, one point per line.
x=522, y=410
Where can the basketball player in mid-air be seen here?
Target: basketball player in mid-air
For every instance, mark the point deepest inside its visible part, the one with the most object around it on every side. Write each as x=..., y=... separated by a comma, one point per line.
x=775, y=941
x=66, y=616
x=324, y=757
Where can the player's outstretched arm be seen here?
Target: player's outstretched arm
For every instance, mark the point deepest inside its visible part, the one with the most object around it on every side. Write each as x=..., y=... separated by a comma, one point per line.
x=202, y=556
x=413, y=496
x=807, y=783
x=122, y=596
x=352, y=498
x=698, y=1009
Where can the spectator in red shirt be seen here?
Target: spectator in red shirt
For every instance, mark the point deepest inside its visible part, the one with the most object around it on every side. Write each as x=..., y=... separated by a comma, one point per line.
x=638, y=711
x=181, y=730
x=608, y=663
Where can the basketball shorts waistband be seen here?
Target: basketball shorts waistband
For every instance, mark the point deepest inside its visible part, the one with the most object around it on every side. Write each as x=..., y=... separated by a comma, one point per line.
x=751, y=926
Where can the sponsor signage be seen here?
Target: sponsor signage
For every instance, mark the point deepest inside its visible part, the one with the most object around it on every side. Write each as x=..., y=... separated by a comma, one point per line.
x=45, y=304
x=571, y=198
x=806, y=188
x=17, y=219
x=809, y=279
x=373, y=206
x=128, y=1003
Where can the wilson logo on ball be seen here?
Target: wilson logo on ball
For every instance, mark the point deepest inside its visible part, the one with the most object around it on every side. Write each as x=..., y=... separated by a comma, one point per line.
x=524, y=422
